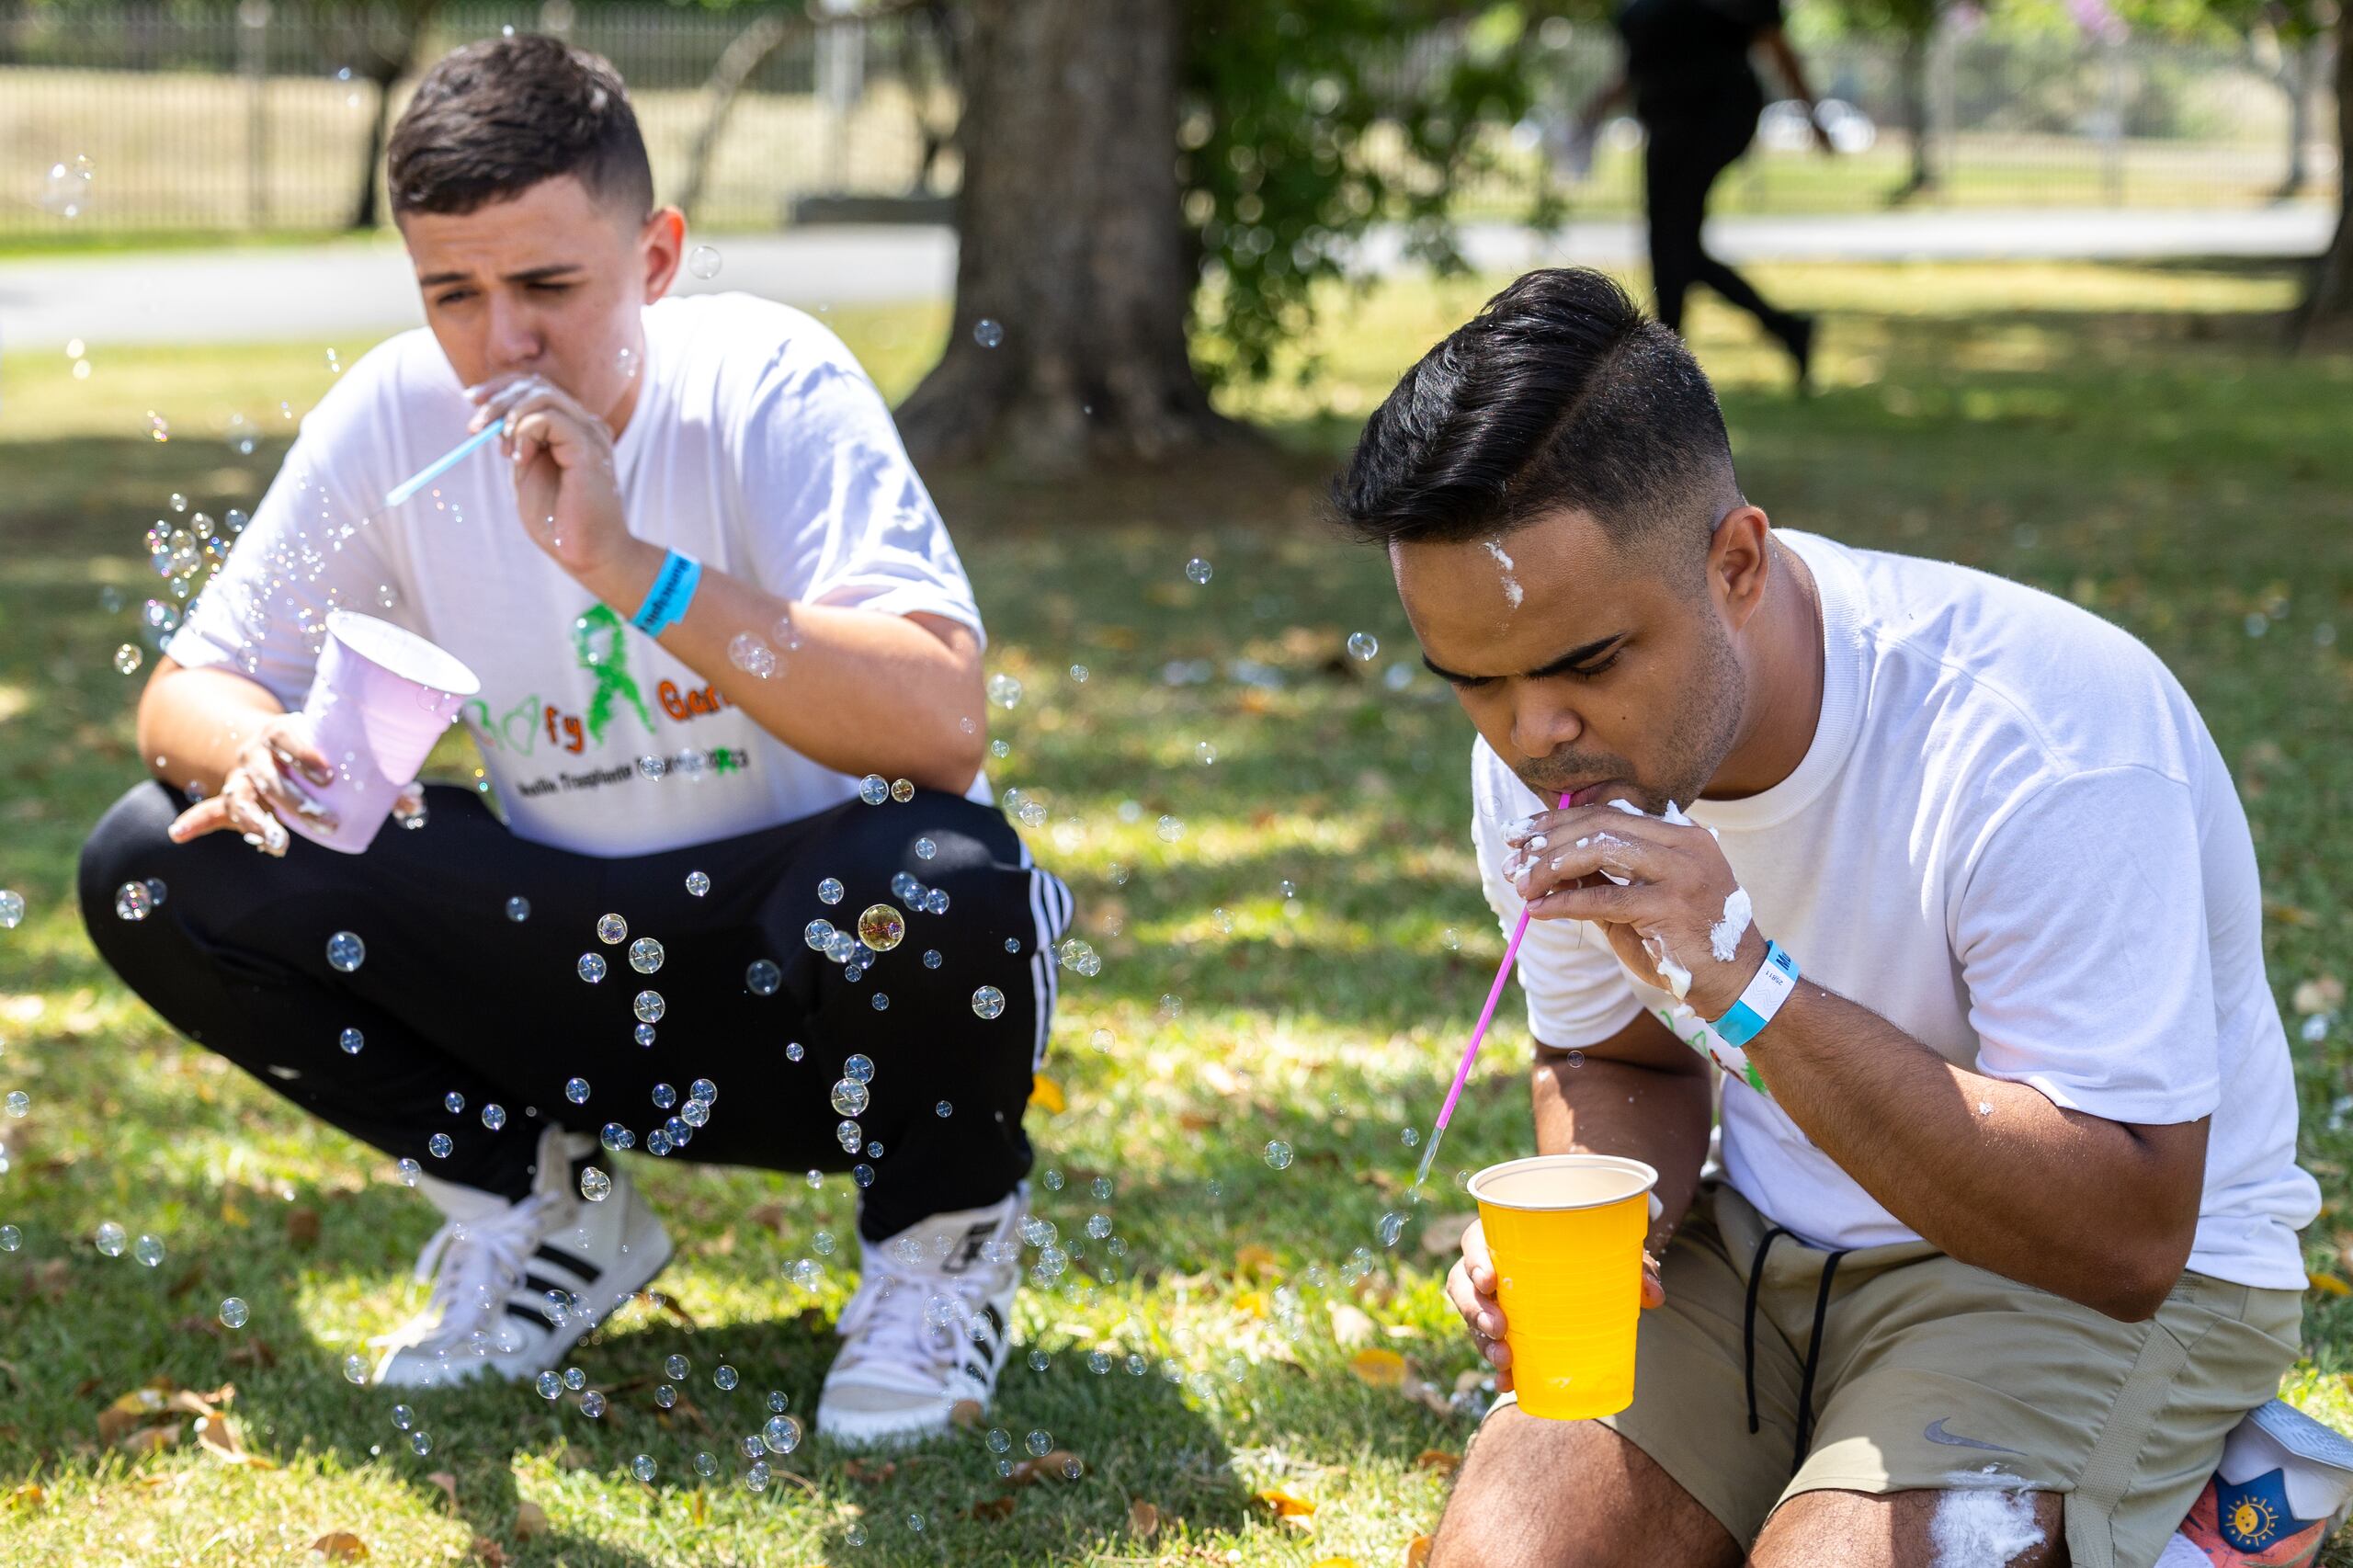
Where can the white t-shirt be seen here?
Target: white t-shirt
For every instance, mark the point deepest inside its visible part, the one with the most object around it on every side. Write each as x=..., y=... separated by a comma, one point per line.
x=757, y=445
x=2013, y=839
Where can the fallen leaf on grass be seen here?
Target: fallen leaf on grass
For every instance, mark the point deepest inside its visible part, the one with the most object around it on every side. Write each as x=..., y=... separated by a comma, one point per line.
x=1254, y=1259
x=966, y=1413
x=1438, y=1460
x=670, y=1305
x=1046, y=1095
x=1417, y=1552
x=218, y=1436
x=29, y=1496
x=1143, y=1518
x=1053, y=1465
x=341, y=1546
x=992, y=1508
x=2329, y=1285
x=449, y=1485
x=489, y=1553
x=872, y=1472
x=698, y=1508
x=1442, y=1235
x=46, y=1282
x=530, y=1519
x=1285, y=1505
x=149, y=1440
x=302, y=1228
x=1350, y=1324
x=1378, y=1368
x=2323, y=994
x=772, y=1216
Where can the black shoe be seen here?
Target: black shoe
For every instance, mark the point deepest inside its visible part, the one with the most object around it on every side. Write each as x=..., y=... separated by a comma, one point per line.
x=1799, y=340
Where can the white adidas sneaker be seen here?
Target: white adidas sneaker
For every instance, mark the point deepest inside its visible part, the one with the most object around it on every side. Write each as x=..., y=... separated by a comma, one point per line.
x=517, y=1284
x=928, y=1327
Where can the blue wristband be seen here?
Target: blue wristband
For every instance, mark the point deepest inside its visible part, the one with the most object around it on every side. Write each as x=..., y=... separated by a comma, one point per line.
x=673, y=590
x=1761, y=1000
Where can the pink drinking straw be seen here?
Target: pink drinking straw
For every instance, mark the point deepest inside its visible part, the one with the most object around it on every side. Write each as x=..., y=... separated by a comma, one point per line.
x=1478, y=1035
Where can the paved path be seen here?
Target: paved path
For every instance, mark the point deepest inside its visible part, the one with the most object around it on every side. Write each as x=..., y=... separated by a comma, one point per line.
x=363, y=290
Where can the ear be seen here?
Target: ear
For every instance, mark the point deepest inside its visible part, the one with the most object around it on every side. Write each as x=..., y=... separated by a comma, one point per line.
x=1738, y=562
x=661, y=243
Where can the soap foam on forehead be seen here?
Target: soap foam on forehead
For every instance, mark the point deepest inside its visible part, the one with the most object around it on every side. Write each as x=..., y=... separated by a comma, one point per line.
x=1513, y=593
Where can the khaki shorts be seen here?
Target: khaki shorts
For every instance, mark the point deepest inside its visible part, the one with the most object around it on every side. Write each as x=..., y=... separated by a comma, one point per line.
x=1936, y=1374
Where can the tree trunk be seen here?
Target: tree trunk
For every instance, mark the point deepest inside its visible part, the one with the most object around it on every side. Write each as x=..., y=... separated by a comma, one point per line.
x=744, y=55
x=1914, y=71
x=383, y=63
x=1071, y=245
x=2295, y=79
x=2326, y=312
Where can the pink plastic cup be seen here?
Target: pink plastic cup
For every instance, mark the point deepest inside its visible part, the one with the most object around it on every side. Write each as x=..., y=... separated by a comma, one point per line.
x=380, y=698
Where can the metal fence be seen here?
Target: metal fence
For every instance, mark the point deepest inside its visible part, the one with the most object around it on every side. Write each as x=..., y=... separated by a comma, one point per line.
x=148, y=118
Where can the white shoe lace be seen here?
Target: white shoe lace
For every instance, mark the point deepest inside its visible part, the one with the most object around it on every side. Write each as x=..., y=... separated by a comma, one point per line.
x=478, y=1262
x=888, y=1334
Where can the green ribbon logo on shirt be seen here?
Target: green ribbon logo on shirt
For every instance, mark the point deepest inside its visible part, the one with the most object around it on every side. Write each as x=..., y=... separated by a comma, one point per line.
x=603, y=652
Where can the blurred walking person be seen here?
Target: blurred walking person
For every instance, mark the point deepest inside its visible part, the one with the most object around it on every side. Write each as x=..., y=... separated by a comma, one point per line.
x=1698, y=98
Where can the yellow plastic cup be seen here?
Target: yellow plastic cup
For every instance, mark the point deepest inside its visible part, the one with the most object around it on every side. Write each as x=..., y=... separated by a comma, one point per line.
x=1565, y=1232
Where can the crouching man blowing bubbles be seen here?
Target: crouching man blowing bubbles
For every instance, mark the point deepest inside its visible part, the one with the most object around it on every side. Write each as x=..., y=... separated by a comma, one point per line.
x=2003, y=1240
x=830, y=633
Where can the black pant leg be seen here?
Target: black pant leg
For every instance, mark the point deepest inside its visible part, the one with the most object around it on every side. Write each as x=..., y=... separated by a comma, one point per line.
x=236, y=959
x=1682, y=164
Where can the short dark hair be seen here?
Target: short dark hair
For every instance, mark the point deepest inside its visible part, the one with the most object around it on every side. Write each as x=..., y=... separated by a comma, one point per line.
x=1560, y=393
x=493, y=119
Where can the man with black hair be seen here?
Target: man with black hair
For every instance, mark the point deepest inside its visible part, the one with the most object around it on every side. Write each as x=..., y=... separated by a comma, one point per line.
x=1997, y=1233
x=705, y=592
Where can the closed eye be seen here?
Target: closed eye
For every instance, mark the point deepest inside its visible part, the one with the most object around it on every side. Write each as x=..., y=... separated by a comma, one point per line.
x=454, y=295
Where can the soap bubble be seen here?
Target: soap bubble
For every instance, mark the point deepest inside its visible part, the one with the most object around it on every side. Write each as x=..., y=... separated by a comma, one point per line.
x=611, y=929
x=518, y=910
x=725, y=1377
x=694, y=1113
x=988, y=1002
x=924, y=849
x=881, y=928
x=111, y=1239
x=1204, y=754
x=849, y=1135
x=592, y=967
x=782, y=1434
x=641, y=1467
x=454, y=1102
x=616, y=1138
x=1279, y=1154
x=905, y=885
x=987, y=333
x=352, y=1041
x=420, y=1444
x=1198, y=570
x=1169, y=829
x=234, y=1312
x=132, y=902
x=591, y=1404
x=1363, y=645
x=440, y=1145
x=66, y=189
x=346, y=952
x=665, y=1095
x=1003, y=690
x=409, y=1171
x=1039, y=1443
x=1393, y=1225
x=19, y=1102
x=703, y=261
x=595, y=1185
x=944, y=1111
x=751, y=656
x=645, y=955
x=649, y=1006
x=675, y=1368
x=355, y=1367
x=934, y=901
x=851, y=1098
x=494, y=1117
x=404, y=1417
x=625, y=361
x=874, y=788
x=830, y=891
x=11, y=1238
x=933, y=957
x=862, y=1174
x=763, y=977
x=698, y=884
x=127, y=658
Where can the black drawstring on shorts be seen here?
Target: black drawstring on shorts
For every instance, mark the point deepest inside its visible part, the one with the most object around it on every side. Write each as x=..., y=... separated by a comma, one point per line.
x=1812, y=1348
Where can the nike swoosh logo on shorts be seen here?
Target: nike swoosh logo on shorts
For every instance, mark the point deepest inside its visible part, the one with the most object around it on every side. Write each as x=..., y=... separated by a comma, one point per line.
x=1935, y=1432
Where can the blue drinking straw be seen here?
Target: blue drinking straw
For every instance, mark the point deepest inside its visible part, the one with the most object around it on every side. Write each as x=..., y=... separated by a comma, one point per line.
x=443, y=464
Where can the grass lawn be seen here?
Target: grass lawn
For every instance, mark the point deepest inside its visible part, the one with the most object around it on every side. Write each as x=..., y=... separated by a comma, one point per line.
x=1299, y=965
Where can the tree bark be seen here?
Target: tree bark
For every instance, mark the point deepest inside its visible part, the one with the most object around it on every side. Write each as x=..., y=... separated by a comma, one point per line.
x=2326, y=312
x=1913, y=69
x=1072, y=243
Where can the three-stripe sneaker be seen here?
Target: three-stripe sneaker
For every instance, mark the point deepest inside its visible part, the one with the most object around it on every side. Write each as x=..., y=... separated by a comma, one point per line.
x=928, y=1327
x=517, y=1284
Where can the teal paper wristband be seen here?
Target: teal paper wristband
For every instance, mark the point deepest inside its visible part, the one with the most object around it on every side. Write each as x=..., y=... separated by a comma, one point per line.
x=673, y=590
